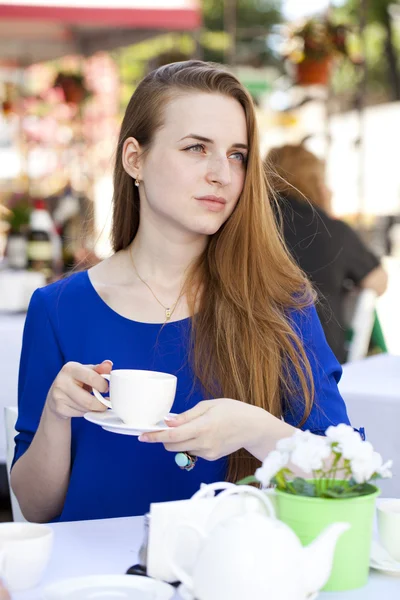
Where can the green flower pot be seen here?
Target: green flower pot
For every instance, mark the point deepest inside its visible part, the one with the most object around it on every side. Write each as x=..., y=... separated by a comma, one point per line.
x=309, y=516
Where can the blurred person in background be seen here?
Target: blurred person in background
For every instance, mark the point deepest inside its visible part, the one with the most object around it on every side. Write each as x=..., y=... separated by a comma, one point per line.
x=327, y=249
x=4, y=595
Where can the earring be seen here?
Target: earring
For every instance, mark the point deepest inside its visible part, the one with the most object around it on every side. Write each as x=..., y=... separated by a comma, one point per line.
x=137, y=182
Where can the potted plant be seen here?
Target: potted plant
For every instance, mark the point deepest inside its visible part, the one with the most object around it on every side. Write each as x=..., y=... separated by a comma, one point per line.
x=73, y=87
x=312, y=46
x=339, y=470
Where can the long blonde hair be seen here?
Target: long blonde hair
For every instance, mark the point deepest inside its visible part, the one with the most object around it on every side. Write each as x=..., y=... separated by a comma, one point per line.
x=244, y=345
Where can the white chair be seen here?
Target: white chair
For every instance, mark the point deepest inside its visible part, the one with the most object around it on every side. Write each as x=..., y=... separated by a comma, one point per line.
x=361, y=324
x=10, y=418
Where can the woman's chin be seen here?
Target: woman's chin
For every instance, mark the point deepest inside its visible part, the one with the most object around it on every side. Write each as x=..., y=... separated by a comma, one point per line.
x=206, y=226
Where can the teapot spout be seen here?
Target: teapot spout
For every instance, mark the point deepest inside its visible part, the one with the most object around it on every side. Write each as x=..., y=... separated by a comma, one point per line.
x=318, y=557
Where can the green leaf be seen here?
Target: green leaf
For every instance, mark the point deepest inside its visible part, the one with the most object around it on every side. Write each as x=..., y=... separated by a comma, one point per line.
x=247, y=480
x=348, y=491
x=303, y=487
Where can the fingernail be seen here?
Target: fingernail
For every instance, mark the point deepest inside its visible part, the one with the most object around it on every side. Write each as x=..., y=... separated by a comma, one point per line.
x=167, y=419
x=109, y=361
x=143, y=438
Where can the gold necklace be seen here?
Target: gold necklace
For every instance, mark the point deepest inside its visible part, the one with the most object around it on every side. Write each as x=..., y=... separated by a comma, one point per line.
x=168, y=310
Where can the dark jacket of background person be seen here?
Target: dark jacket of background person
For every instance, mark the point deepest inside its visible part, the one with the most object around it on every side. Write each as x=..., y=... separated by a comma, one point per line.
x=327, y=249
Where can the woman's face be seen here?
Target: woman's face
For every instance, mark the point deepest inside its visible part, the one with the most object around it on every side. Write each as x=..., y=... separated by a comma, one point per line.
x=193, y=174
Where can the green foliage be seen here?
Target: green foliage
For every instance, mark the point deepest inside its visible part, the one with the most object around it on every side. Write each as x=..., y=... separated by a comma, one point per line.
x=249, y=13
x=381, y=33
x=20, y=207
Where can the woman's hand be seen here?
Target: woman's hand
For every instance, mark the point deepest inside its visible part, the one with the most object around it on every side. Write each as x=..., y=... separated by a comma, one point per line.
x=70, y=396
x=212, y=429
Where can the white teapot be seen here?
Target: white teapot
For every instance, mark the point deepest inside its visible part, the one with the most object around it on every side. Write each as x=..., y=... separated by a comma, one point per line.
x=255, y=556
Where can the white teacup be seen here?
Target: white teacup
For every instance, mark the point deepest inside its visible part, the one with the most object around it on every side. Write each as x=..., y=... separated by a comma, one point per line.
x=25, y=550
x=389, y=526
x=140, y=398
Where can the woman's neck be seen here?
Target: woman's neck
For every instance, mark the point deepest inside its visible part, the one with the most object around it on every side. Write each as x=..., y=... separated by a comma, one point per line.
x=163, y=257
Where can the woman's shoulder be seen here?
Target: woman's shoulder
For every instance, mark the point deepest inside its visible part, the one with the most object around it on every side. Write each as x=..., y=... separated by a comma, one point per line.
x=71, y=295
x=70, y=286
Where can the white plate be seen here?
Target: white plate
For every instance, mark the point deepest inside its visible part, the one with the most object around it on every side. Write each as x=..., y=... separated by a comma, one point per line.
x=385, y=567
x=109, y=421
x=109, y=587
x=381, y=560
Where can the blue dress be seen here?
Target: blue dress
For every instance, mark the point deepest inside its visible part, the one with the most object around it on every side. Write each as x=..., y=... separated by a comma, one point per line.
x=115, y=475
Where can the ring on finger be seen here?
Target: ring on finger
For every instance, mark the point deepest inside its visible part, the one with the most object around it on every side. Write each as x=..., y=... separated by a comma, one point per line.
x=185, y=461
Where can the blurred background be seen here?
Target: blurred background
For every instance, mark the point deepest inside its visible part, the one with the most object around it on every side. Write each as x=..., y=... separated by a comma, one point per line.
x=325, y=74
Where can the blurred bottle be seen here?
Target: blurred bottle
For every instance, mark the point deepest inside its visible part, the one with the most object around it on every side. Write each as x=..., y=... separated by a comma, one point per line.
x=39, y=240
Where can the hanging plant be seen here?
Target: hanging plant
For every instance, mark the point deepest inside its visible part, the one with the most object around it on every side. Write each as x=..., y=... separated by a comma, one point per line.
x=313, y=45
x=73, y=87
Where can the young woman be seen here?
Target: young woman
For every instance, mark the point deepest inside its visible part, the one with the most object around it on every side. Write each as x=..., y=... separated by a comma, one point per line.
x=201, y=286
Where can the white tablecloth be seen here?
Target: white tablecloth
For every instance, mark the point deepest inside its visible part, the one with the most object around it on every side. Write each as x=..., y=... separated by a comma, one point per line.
x=371, y=390
x=11, y=329
x=110, y=546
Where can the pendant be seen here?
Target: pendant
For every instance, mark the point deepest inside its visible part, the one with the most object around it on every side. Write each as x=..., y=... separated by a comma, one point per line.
x=167, y=314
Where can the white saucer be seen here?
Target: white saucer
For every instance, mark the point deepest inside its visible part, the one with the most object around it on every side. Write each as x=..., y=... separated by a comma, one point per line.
x=109, y=421
x=382, y=561
x=109, y=587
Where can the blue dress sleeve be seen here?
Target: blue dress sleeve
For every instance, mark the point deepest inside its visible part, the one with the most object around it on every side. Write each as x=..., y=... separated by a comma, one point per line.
x=41, y=360
x=329, y=407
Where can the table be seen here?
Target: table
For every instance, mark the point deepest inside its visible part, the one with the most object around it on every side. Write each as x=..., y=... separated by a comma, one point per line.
x=110, y=546
x=11, y=329
x=371, y=390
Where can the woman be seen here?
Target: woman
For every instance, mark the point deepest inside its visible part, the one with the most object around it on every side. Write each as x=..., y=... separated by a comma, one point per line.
x=187, y=292
x=328, y=250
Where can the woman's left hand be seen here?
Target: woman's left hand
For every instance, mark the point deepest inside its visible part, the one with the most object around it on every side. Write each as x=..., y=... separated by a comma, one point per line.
x=212, y=429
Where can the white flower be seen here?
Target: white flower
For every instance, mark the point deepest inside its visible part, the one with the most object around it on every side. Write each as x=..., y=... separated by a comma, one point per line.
x=310, y=452
x=274, y=462
x=353, y=447
x=384, y=471
x=363, y=467
x=289, y=444
x=349, y=442
x=339, y=432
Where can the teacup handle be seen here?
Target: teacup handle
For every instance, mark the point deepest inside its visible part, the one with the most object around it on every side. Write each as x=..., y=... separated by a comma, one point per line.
x=177, y=570
x=99, y=396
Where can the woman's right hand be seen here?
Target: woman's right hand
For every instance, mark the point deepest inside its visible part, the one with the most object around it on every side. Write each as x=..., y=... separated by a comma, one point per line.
x=70, y=394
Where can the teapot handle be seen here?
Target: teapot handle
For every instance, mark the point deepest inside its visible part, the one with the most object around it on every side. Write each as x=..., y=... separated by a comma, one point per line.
x=250, y=491
x=208, y=490
x=177, y=570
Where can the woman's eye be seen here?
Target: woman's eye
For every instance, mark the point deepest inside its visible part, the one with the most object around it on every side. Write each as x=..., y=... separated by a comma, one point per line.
x=239, y=156
x=196, y=148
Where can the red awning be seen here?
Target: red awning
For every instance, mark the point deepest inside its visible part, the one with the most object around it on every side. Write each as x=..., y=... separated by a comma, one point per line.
x=158, y=14
x=35, y=30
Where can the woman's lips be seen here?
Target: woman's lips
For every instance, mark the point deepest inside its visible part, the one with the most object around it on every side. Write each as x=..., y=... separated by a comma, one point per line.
x=213, y=203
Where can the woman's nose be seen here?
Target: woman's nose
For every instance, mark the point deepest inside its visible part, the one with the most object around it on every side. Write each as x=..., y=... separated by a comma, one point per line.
x=219, y=171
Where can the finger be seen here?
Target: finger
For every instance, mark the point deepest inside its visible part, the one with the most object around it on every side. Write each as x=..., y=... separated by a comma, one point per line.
x=189, y=415
x=174, y=435
x=83, y=374
x=189, y=446
x=104, y=368
x=83, y=400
